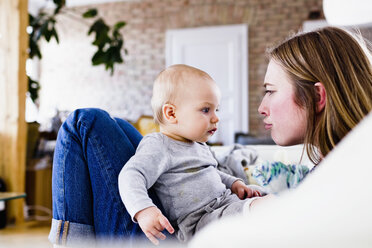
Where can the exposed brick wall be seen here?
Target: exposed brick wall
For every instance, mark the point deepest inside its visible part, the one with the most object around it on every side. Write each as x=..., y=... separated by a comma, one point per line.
x=69, y=81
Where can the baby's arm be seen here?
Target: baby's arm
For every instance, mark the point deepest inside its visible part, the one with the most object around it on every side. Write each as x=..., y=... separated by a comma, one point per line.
x=152, y=223
x=137, y=176
x=243, y=191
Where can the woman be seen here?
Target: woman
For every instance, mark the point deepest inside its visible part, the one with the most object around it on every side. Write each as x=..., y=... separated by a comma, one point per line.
x=324, y=80
x=318, y=87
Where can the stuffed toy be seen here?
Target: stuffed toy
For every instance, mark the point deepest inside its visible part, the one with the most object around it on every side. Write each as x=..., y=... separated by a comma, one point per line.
x=235, y=159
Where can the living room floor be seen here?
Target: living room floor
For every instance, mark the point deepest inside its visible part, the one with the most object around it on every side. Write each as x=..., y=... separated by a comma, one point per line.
x=28, y=234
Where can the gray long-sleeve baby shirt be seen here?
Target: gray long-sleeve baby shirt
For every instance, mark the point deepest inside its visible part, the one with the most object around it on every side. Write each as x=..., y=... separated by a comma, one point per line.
x=184, y=176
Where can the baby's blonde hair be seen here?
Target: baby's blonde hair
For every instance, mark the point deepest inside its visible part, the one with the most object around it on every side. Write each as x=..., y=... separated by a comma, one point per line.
x=166, y=85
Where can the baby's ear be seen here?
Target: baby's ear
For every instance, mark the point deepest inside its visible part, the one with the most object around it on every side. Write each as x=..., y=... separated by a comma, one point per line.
x=169, y=111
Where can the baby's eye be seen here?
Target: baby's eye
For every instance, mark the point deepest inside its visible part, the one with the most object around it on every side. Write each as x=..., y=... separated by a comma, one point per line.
x=205, y=110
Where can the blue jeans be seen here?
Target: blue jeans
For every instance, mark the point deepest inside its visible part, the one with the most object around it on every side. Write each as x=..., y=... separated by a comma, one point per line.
x=92, y=147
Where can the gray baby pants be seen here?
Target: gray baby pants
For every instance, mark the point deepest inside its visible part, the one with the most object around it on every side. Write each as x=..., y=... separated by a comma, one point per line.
x=226, y=205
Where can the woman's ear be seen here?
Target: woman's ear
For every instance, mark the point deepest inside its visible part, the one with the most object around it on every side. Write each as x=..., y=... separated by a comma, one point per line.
x=322, y=97
x=169, y=113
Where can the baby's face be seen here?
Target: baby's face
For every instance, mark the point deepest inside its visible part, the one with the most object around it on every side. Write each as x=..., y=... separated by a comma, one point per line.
x=196, y=110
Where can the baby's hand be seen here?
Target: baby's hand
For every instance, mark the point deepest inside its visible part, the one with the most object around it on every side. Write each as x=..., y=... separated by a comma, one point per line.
x=152, y=223
x=243, y=191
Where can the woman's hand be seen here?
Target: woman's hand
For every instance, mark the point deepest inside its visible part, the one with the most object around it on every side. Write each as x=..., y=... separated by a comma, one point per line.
x=152, y=223
x=243, y=191
x=260, y=201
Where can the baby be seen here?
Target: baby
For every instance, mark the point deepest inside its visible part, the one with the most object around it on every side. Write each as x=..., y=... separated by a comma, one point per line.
x=177, y=162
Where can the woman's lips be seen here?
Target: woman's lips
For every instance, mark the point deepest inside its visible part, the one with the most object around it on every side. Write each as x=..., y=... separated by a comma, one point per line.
x=268, y=126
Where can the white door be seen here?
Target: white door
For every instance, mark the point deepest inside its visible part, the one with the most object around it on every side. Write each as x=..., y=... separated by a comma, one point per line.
x=222, y=52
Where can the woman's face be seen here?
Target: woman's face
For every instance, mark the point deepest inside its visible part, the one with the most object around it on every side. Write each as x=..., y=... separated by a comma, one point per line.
x=285, y=119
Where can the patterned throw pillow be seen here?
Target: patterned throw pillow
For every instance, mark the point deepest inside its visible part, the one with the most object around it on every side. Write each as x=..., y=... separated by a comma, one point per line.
x=277, y=176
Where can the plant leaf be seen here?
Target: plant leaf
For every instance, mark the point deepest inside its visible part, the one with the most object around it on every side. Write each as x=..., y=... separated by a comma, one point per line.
x=34, y=49
x=54, y=33
x=47, y=35
x=90, y=13
x=98, y=26
x=33, y=88
x=119, y=25
x=42, y=30
x=101, y=30
x=99, y=58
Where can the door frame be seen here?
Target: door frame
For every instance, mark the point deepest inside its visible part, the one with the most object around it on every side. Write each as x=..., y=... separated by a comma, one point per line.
x=238, y=34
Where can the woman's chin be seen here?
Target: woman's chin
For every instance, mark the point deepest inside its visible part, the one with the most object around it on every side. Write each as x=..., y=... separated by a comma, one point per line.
x=286, y=142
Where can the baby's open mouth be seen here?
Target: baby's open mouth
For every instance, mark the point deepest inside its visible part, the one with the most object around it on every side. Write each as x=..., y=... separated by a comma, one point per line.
x=212, y=131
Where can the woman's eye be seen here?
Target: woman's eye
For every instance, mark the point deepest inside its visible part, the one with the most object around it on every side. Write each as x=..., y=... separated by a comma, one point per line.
x=205, y=110
x=268, y=92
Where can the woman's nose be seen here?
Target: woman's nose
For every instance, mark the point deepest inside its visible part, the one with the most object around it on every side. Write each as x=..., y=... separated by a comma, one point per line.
x=262, y=109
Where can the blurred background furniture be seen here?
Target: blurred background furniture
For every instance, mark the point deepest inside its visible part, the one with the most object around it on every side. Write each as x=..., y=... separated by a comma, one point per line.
x=146, y=124
x=247, y=139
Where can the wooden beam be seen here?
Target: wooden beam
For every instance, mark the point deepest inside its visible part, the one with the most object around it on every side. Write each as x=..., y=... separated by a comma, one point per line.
x=13, y=87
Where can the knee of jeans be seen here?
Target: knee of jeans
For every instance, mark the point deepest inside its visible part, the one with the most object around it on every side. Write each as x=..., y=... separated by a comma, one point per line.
x=88, y=113
x=86, y=116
